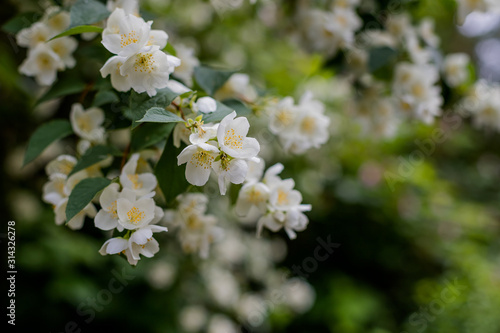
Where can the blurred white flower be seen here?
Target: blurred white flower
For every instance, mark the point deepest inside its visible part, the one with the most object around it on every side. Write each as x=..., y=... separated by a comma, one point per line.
x=456, y=68
x=188, y=62
x=42, y=63
x=36, y=34
x=77, y=221
x=237, y=86
x=87, y=123
x=205, y=104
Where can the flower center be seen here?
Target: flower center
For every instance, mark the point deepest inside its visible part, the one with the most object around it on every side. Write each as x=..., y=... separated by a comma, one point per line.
x=127, y=39
x=282, y=198
x=255, y=196
x=202, y=159
x=135, y=215
x=112, y=209
x=284, y=117
x=232, y=140
x=144, y=62
x=308, y=125
x=44, y=61
x=136, y=183
x=84, y=123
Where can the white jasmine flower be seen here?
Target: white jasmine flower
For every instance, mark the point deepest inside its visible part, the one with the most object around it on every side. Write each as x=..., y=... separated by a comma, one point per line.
x=398, y=25
x=149, y=70
x=255, y=170
x=192, y=203
x=232, y=137
x=181, y=134
x=42, y=63
x=142, y=241
x=128, y=6
x=87, y=123
x=77, y=221
x=53, y=190
x=203, y=133
x=56, y=19
x=134, y=214
x=282, y=116
x=484, y=104
x=237, y=86
x=415, y=87
x=465, y=7
x=112, y=67
x=229, y=171
x=204, y=104
x=455, y=68
x=63, y=164
x=131, y=37
x=426, y=31
x=141, y=183
x=36, y=34
x=252, y=195
x=292, y=220
x=158, y=38
x=199, y=159
x=64, y=48
x=188, y=62
x=107, y=217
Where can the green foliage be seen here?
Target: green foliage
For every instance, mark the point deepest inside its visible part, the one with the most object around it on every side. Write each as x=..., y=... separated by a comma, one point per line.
x=78, y=30
x=171, y=178
x=83, y=193
x=209, y=79
x=44, y=136
x=85, y=12
x=149, y=134
x=94, y=155
x=380, y=57
x=104, y=97
x=139, y=104
x=19, y=22
x=160, y=115
x=69, y=84
x=221, y=111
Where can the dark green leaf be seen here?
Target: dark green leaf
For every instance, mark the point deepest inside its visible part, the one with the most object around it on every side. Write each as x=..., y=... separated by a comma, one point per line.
x=83, y=193
x=78, y=30
x=85, y=12
x=235, y=104
x=381, y=56
x=94, y=155
x=171, y=177
x=160, y=115
x=149, y=134
x=139, y=104
x=44, y=136
x=221, y=111
x=16, y=24
x=67, y=85
x=105, y=97
x=210, y=80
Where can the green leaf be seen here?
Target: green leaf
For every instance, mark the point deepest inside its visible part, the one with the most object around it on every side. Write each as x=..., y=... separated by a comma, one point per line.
x=85, y=12
x=221, y=111
x=209, y=79
x=139, y=104
x=83, y=193
x=381, y=56
x=149, y=134
x=94, y=155
x=16, y=24
x=105, y=97
x=171, y=177
x=170, y=49
x=160, y=115
x=235, y=104
x=44, y=136
x=67, y=85
x=78, y=30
